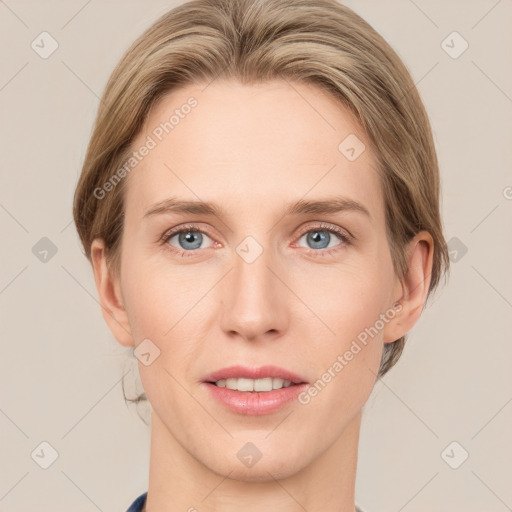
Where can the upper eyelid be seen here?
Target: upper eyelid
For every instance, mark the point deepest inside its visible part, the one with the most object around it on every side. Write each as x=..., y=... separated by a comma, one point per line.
x=175, y=231
x=326, y=227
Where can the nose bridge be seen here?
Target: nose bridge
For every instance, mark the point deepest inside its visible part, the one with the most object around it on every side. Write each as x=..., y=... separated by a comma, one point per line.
x=253, y=301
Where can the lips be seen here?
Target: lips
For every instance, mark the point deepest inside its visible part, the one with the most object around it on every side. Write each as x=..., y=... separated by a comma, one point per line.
x=260, y=400
x=233, y=372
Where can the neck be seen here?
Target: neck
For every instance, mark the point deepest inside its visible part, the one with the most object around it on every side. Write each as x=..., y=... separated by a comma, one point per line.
x=180, y=482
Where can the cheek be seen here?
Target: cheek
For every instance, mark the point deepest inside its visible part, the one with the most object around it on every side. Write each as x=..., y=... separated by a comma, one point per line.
x=345, y=331
x=343, y=300
x=345, y=342
x=158, y=294
x=165, y=307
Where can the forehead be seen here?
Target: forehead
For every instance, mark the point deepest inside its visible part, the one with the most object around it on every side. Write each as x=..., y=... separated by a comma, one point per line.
x=257, y=144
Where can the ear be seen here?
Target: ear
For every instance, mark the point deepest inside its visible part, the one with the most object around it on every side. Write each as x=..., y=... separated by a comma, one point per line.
x=412, y=291
x=109, y=291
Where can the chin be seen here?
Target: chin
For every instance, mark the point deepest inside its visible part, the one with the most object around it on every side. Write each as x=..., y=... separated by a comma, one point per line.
x=262, y=473
x=266, y=469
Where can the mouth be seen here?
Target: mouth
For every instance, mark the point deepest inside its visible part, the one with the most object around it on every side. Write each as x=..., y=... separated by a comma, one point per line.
x=261, y=379
x=255, y=391
x=255, y=385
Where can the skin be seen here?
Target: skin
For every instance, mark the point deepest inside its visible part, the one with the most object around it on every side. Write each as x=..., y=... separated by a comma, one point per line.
x=253, y=149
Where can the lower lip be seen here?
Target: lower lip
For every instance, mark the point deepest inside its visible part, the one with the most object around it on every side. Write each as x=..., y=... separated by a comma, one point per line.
x=256, y=402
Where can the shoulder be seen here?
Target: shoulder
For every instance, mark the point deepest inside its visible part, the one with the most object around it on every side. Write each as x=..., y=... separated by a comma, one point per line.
x=138, y=504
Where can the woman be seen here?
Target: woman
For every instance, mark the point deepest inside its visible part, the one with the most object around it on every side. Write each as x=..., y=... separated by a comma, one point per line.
x=260, y=205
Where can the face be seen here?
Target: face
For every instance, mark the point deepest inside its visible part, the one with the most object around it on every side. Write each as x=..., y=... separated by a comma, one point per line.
x=255, y=282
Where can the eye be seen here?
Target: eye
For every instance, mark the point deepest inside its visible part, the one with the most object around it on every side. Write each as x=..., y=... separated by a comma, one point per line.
x=324, y=237
x=186, y=239
x=321, y=240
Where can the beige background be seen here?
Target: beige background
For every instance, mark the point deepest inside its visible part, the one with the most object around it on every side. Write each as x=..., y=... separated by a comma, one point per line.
x=60, y=367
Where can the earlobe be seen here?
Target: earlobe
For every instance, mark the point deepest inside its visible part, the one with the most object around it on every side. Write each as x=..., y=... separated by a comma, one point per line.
x=110, y=297
x=414, y=287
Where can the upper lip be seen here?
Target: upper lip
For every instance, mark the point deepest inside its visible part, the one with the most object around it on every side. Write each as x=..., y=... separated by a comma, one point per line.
x=254, y=373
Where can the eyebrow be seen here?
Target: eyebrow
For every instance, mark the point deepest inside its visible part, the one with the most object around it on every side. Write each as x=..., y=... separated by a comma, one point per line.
x=300, y=207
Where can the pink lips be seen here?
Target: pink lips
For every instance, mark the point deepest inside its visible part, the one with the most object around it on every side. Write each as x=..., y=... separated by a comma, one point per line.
x=254, y=373
x=255, y=402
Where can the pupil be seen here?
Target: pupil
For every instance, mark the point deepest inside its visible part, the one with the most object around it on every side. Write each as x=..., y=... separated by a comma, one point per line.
x=317, y=237
x=188, y=238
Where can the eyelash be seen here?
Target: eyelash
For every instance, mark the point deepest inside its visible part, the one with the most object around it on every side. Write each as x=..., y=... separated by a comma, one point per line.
x=345, y=237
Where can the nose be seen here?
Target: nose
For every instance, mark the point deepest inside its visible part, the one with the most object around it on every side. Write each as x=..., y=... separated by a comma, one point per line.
x=254, y=299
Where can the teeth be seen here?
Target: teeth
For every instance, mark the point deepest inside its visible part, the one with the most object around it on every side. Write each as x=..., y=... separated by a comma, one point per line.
x=241, y=384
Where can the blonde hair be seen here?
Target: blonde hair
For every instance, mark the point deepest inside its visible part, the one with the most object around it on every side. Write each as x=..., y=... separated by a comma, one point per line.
x=319, y=42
